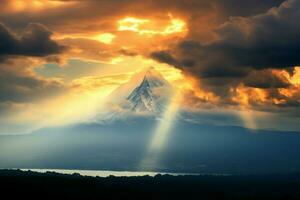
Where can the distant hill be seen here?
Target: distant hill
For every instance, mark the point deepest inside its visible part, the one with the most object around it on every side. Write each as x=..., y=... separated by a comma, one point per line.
x=122, y=146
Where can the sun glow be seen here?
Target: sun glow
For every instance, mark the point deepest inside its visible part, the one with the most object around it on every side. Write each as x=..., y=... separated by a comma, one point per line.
x=131, y=24
x=34, y=5
x=148, y=27
x=106, y=38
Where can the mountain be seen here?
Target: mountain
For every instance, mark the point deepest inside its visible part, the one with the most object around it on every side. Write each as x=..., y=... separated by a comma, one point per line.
x=151, y=95
x=124, y=142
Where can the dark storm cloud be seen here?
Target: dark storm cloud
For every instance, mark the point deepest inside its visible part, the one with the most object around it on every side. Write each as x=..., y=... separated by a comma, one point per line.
x=165, y=57
x=247, y=51
x=17, y=82
x=35, y=40
x=269, y=40
x=246, y=8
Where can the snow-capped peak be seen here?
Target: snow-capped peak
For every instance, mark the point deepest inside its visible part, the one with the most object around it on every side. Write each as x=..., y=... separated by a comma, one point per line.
x=151, y=94
x=154, y=78
x=146, y=93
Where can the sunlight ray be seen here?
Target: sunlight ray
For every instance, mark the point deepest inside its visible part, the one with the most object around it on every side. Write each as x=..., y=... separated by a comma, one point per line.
x=161, y=134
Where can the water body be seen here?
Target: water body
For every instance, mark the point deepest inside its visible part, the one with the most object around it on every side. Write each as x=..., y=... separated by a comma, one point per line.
x=102, y=173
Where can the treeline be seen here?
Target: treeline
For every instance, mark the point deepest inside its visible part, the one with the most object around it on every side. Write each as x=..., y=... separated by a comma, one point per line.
x=33, y=185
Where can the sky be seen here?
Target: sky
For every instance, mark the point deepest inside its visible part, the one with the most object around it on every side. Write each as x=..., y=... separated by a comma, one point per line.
x=60, y=59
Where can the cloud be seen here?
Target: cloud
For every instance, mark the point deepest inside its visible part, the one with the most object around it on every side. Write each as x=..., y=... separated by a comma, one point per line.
x=257, y=42
x=35, y=40
x=247, y=8
x=93, y=83
x=240, y=54
x=19, y=84
x=247, y=51
x=127, y=52
x=99, y=15
x=165, y=57
x=20, y=52
x=267, y=79
x=26, y=88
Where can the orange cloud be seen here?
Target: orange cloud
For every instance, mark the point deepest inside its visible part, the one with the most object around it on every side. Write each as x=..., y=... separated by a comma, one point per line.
x=245, y=96
x=33, y=5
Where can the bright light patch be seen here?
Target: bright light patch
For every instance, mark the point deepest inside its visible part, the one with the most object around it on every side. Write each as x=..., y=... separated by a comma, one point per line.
x=176, y=26
x=106, y=38
x=296, y=77
x=131, y=24
x=19, y=5
x=148, y=27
